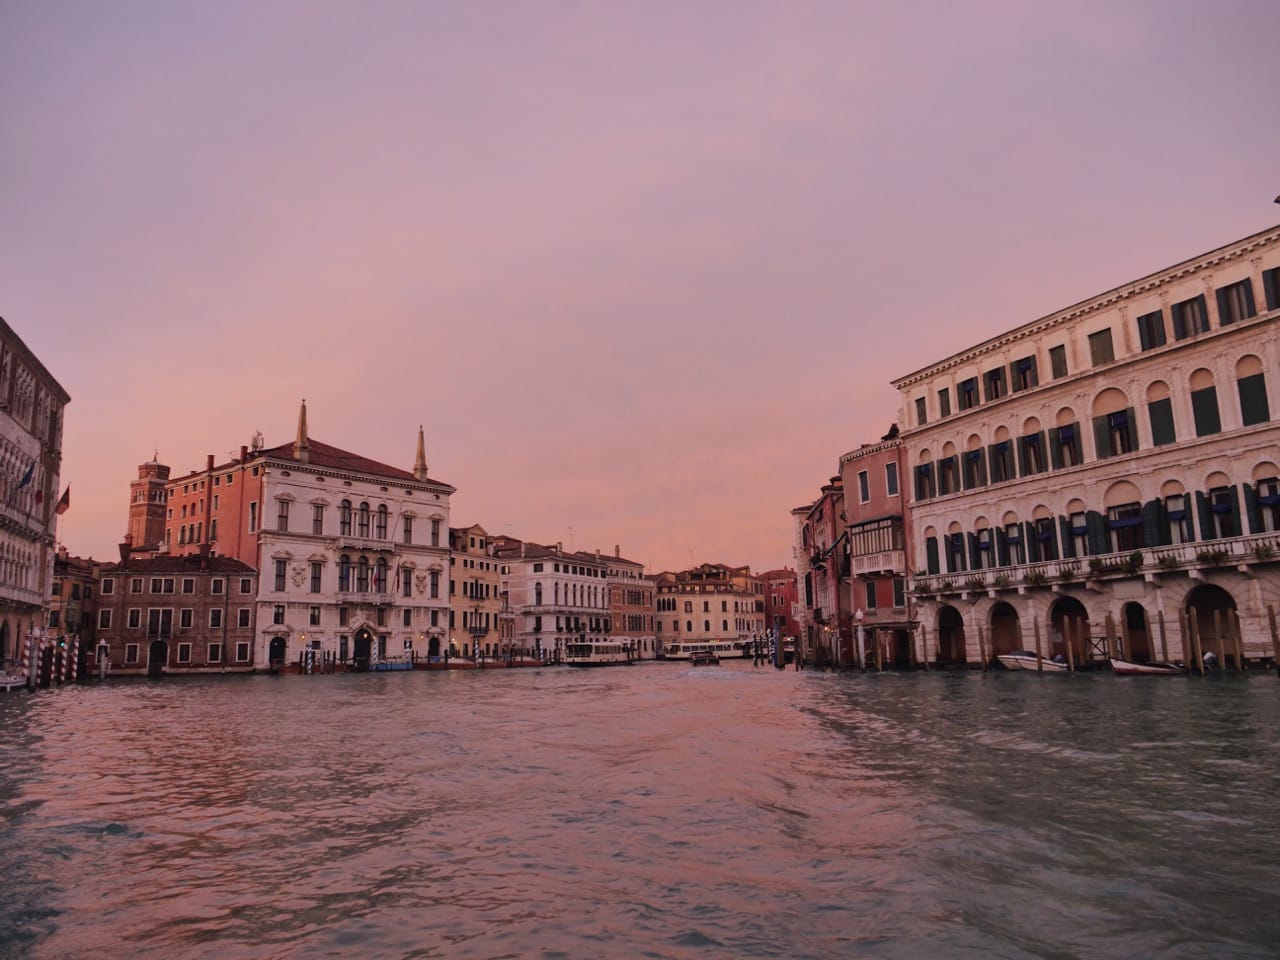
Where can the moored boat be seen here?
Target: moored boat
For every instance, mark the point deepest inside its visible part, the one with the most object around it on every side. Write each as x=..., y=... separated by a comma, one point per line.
x=1027, y=660
x=704, y=659
x=1158, y=668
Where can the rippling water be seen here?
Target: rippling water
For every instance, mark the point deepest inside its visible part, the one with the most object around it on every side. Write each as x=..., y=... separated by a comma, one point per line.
x=649, y=811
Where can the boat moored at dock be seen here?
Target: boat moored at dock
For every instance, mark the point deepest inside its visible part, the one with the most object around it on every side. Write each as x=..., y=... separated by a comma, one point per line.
x=1027, y=660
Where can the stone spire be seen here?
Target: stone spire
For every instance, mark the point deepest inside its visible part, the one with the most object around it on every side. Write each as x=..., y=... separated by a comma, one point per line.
x=420, y=464
x=302, y=446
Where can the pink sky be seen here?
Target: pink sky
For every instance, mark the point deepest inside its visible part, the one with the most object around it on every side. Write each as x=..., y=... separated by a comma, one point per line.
x=644, y=271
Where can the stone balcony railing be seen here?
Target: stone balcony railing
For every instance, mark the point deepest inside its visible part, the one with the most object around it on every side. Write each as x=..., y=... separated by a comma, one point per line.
x=887, y=561
x=1243, y=554
x=368, y=544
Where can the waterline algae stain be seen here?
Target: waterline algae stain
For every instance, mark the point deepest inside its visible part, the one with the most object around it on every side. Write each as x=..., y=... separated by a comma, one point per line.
x=659, y=811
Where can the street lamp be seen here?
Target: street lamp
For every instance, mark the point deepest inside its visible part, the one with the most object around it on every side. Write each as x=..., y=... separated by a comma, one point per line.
x=862, y=655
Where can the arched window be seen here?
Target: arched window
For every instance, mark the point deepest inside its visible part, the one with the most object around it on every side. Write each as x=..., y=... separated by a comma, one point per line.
x=380, y=576
x=537, y=594
x=344, y=518
x=362, y=574
x=380, y=527
x=1204, y=403
x=344, y=572
x=364, y=520
x=1114, y=429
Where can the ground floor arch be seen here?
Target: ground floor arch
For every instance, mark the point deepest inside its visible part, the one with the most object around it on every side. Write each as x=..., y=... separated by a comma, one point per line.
x=157, y=658
x=1211, y=612
x=951, y=641
x=1135, y=631
x=1006, y=630
x=1069, y=630
x=361, y=649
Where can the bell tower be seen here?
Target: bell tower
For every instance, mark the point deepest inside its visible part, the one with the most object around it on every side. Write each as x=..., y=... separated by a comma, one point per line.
x=147, y=505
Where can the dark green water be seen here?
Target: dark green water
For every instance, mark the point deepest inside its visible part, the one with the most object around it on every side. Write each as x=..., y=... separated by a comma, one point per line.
x=646, y=811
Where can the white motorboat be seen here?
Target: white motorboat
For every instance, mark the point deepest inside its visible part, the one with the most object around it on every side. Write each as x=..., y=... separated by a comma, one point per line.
x=1027, y=660
x=597, y=653
x=1131, y=668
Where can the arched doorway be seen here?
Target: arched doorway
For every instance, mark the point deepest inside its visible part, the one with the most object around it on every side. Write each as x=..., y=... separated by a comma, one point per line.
x=362, y=649
x=1006, y=630
x=1214, y=610
x=433, y=647
x=157, y=657
x=1069, y=623
x=1137, y=632
x=276, y=653
x=951, y=651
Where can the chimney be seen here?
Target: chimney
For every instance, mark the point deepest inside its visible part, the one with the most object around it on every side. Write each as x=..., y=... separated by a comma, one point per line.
x=617, y=551
x=559, y=546
x=126, y=547
x=244, y=452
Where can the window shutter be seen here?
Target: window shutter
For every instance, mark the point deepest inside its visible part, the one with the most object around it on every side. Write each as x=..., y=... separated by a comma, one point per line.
x=1161, y=413
x=1203, y=517
x=1253, y=399
x=1055, y=448
x=991, y=460
x=974, y=557
x=1068, y=543
x=1224, y=307
x=1179, y=321
x=1251, y=508
x=1270, y=283
x=1250, y=309
x=1101, y=438
x=1204, y=404
x=1022, y=457
x=1154, y=530
x=1031, y=543
x=1234, y=493
x=1097, y=533
x=931, y=554
x=1002, y=548
x=1131, y=428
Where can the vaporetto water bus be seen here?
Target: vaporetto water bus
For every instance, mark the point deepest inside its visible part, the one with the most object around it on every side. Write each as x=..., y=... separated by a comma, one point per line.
x=684, y=649
x=598, y=653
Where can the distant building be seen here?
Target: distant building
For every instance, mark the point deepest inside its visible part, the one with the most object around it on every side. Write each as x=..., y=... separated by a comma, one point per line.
x=73, y=607
x=31, y=412
x=148, y=507
x=475, y=595
x=709, y=603
x=556, y=597
x=354, y=553
x=822, y=554
x=177, y=614
x=631, y=604
x=781, y=596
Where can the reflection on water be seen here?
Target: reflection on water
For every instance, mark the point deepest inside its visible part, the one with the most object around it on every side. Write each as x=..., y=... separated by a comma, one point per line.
x=649, y=811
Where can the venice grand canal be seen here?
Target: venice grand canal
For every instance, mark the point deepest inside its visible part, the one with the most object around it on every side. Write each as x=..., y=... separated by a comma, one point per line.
x=646, y=811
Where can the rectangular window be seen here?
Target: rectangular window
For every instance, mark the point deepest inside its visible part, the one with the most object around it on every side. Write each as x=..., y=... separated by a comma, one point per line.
x=317, y=518
x=1015, y=549
x=406, y=581
x=435, y=584
x=871, y=594
x=899, y=592
x=134, y=621
x=131, y=653
x=1271, y=287
x=216, y=586
x=1222, y=513
x=108, y=587
x=891, y=479
x=215, y=618
x=242, y=653
x=1235, y=303
x=1161, y=413
x=281, y=573
x=184, y=653
x=185, y=618
x=407, y=523
x=314, y=618
x=1151, y=330
x=922, y=416
x=994, y=383
x=1058, y=361
x=944, y=402
x=435, y=533
x=282, y=516
x=277, y=613
x=1100, y=349
x=864, y=486
x=246, y=585
x=253, y=516
x=1023, y=374
x=1046, y=545
x=967, y=393
x=1179, y=517
x=1253, y=399
x=1204, y=407
x=188, y=585
x=1189, y=318
x=343, y=615
x=156, y=585
x=408, y=617
x=242, y=617
x=317, y=572
x=215, y=653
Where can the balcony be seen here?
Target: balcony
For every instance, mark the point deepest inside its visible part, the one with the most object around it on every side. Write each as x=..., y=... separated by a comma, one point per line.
x=889, y=561
x=1242, y=554
x=367, y=544
x=369, y=597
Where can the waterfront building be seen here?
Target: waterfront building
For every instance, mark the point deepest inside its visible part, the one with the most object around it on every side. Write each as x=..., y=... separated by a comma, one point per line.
x=826, y=619
x=631, y=604
x=73, y=607
x=475, y=595
x=1105, y=477
x=556, y=597
x=710, y=603
x=874, y=539
x=159, y=614
x=781, y=601
x=31, y=417
x=353, y=552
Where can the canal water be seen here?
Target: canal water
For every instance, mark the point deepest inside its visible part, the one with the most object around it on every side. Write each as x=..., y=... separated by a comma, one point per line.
x=647, y=811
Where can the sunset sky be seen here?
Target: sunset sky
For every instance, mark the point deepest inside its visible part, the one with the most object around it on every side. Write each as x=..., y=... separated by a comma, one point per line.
x=642, y=270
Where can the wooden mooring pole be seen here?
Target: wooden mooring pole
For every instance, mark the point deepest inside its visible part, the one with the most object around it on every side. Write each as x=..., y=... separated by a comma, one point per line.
x=1035, y=624
x=1275, y=638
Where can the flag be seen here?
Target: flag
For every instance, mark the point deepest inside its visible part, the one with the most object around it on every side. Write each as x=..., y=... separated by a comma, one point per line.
x=26, y=477
x=64, y=502
x=39, y=497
